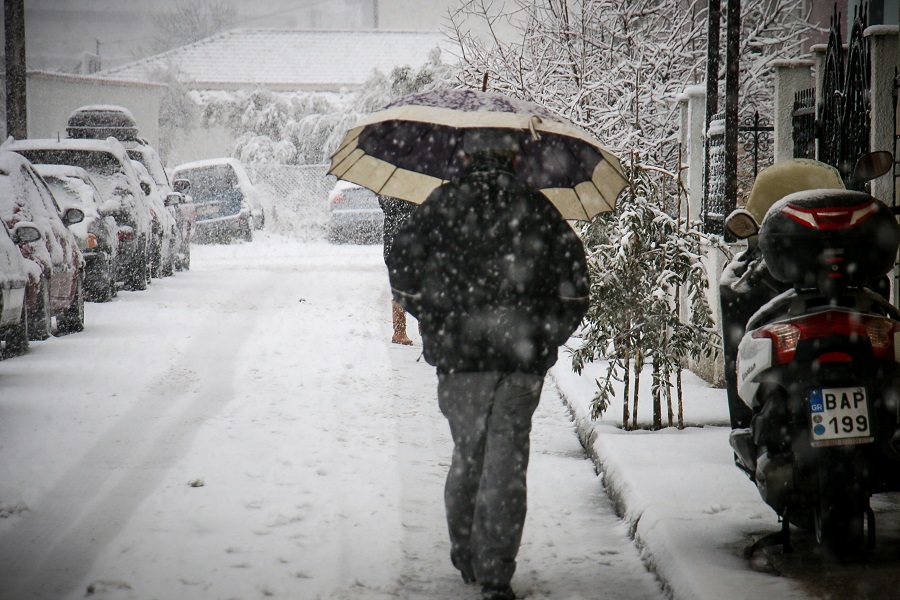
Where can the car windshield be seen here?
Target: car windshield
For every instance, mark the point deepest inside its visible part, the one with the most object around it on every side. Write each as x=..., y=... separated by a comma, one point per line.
x=92, y=161
x=210, y=183
x=103, y=166
x=61, y=189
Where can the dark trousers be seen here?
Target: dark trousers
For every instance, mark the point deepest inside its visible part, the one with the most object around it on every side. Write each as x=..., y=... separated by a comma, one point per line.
x=485, y=493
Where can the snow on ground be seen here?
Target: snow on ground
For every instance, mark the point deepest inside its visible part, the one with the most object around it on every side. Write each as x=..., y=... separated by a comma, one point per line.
x=246, y=430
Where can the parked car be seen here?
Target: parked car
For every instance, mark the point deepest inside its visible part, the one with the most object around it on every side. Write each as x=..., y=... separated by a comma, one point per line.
x=163, y=244
x=109, y=166
x=58, y=289
x=14, y=274
x=181, y=207
x=355, y=215
x=97, y=235
x=100, y=121
x=226, y=201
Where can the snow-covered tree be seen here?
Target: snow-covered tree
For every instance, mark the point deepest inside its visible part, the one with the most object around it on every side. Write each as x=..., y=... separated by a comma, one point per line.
x=306, y=128
x=189, y=21
x=177, y=111
x=616, y=67
x=642, y=260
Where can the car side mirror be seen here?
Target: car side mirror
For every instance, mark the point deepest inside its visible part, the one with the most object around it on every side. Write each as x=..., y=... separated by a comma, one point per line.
x=174, y=198
x=741, y=224
x=72, y=216
x=182, y=186
x=24, y=234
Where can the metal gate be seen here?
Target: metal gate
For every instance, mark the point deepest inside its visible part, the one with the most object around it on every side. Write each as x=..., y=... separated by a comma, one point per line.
x=803, y=123
x=755, y=152
x=843, y=124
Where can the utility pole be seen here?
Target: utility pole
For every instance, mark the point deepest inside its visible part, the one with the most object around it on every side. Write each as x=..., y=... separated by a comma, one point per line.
x=732, y=85
x=375, y=14
x=14, y=22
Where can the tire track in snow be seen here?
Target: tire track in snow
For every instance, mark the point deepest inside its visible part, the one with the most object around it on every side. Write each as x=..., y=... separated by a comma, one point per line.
x=48, y=553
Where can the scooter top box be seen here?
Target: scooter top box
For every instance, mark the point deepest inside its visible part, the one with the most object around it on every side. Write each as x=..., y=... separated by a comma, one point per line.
x=840, y=235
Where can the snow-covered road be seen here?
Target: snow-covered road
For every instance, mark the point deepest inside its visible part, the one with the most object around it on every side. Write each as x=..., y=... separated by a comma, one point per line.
x=246, y=430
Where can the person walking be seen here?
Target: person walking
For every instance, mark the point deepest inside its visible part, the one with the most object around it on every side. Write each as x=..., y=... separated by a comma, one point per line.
x=498, y=281
x=395, y=211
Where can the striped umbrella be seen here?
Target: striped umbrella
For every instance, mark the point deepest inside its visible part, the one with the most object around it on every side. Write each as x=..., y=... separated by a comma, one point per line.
x=415, y=144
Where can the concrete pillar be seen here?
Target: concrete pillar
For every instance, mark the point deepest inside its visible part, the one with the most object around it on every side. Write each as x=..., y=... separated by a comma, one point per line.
x=791, y=76
x=693, y=119
x=883, y=42
x=818, y=52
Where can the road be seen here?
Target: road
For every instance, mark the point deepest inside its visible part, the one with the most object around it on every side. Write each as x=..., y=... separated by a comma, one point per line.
x=246, y=430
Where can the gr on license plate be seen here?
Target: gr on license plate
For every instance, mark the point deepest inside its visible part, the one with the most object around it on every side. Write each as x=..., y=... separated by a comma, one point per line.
x=839, y=416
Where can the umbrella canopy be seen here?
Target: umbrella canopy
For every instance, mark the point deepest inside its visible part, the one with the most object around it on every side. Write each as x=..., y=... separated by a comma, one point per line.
x=416, y=143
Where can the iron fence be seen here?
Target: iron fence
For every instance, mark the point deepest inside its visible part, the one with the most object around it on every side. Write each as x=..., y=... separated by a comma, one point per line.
x=803, y=124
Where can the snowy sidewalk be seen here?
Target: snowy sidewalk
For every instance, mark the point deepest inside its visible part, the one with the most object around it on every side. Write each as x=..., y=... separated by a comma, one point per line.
x=690, y=510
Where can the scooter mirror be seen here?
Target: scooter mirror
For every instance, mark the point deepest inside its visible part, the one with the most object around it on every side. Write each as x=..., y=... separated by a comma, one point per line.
x=873, y=165
x=741, y=224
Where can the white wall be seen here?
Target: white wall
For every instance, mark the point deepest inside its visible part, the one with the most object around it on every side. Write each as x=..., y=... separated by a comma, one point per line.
x=52, y=97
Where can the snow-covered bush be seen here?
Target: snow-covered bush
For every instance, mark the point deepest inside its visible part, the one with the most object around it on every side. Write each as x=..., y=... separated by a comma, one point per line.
x=643, y=262
x=300, y=128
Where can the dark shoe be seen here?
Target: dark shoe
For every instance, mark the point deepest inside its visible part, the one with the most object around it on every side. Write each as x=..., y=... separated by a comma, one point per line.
x=495, y=593
x=464, y=566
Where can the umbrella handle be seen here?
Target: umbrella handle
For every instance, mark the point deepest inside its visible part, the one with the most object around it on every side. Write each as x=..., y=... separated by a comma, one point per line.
x=534, y=134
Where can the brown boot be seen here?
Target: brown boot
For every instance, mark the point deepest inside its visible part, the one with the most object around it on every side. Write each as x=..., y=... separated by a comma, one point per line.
x=399, y=318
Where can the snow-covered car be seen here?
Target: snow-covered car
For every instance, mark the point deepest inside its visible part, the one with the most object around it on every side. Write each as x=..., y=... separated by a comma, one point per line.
x=97, y=234
x=163, y=241
x=355, y=215
x=56, y=287
x=14, y=271
x=99, y=121
x=112, y=171
x=180, y=204
x=225, y=200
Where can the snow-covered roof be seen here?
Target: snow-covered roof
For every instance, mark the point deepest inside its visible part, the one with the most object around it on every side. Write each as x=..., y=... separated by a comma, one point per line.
x=285, y=60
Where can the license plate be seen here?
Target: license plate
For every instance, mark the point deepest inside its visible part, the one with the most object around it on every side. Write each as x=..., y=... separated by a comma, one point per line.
x=839, y=416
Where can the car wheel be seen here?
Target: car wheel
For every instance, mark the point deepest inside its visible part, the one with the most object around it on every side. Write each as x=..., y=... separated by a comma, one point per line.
x=136, y=277
x=72, y=320
x=156, y=266
x=17, y=338
x=113, y=284
x=247, y=233
x=39, y=321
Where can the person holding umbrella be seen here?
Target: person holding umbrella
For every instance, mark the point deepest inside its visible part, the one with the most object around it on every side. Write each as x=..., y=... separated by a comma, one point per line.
x=495, y=275
x=498, y=280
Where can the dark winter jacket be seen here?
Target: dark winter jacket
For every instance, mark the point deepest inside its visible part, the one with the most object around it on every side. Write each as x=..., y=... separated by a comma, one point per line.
x=496, y=277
